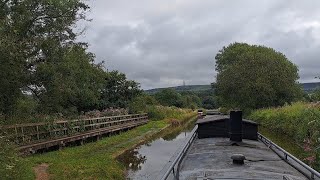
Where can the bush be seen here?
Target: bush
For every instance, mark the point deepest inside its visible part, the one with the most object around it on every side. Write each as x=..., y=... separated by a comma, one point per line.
x=209, y=102
x=139, y=104
x=299, y=120
x=106, y=112
x=315, y=96
x=184, y=99
x=162, y=112
x=26, y=107
x=169, y=97
x=155, y=113
x=148, y=104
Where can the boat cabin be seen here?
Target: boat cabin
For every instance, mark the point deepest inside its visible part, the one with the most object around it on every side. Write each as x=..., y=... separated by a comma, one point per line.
x=219, y=126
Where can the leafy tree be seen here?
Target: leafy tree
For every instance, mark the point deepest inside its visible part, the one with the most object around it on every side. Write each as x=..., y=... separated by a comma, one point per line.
x=140, y=103
x=169, y=97
x=13, y=71
x=251, y=76
x=117, y=91
x=187, y=101
x=26, y=107
x=190, y=99
x=209, y=102
x=71, y=81
x=31, y=31
x=39, y=55
x=183, y=99
x=12, y=78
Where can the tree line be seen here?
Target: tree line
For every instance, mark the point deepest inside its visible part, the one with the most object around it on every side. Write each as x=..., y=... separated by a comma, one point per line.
x=44, y=69
x=184, y=99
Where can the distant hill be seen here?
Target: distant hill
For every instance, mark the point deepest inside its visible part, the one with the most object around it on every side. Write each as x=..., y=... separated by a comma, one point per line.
x=307, y=87
x=193, y=88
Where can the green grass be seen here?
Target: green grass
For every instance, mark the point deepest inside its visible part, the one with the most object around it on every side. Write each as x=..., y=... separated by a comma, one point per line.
x=299, y=121
x=97, y=160
x=12, y=166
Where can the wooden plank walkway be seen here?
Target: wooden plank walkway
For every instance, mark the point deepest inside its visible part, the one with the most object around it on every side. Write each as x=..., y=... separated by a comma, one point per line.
x=32, y=137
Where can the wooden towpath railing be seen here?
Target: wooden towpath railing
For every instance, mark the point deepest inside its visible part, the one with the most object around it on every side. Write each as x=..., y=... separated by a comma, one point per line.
x=31, y=137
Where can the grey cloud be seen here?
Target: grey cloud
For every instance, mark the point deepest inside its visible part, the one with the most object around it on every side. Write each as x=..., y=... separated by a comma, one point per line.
x=163, y=43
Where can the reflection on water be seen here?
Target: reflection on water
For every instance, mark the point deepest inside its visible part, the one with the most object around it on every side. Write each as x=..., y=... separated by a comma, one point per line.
x=133, y=160
x=147, y=160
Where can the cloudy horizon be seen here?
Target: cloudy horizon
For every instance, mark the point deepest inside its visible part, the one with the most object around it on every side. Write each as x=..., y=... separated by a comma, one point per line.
x=165, y=43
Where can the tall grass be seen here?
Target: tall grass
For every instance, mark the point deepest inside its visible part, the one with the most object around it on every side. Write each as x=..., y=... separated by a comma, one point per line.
x=300, y=121
x=165, y=112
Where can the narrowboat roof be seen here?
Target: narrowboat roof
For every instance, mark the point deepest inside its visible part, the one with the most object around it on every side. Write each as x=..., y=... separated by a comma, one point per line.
x=210, y=158
x=211, y=118
x=213, y=112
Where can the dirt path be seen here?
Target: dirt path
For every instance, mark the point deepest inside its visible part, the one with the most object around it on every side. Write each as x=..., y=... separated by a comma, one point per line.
x=41, y=171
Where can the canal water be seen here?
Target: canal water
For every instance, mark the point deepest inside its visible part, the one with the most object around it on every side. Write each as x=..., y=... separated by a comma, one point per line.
x=146, y=160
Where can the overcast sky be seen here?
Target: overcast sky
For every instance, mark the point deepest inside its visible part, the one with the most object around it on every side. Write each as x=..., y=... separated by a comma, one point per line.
x=165, y=42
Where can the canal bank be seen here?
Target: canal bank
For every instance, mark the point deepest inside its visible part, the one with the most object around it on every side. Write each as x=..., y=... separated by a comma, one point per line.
x=97, y=160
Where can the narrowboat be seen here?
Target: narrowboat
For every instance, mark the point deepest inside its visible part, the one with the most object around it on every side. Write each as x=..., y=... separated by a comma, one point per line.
x=229, y=147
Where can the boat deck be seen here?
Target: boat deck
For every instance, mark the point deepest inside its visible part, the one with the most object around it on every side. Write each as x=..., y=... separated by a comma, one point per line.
x=210, y=158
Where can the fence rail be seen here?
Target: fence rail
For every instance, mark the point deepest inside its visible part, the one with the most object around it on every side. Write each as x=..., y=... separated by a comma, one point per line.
x=29, y=134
